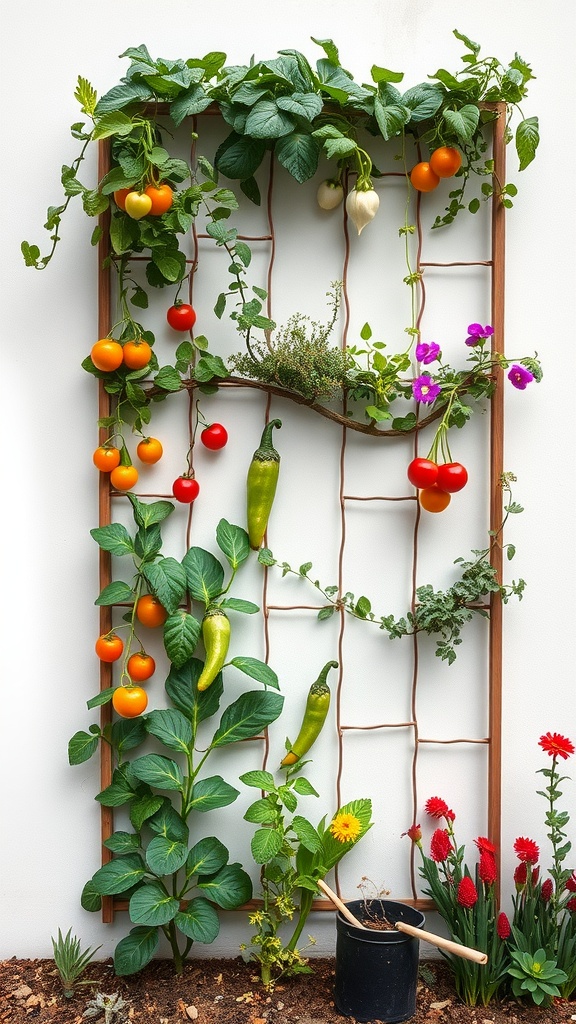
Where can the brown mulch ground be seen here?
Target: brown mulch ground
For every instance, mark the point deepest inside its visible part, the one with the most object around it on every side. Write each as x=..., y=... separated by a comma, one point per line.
x=216, y=991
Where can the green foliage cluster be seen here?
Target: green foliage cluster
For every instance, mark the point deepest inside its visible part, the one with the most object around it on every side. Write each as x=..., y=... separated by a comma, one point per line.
x=71, y=961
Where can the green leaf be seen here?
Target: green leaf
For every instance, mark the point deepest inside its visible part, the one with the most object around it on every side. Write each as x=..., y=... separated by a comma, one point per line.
x=230, y=888
x=151, y=905
x=181, y=634
x=128, y=733
x=81, y=747
x=260, y=812
x=118, y=875
x=158, y=771
x=168, y=378
x=167, y=580
x=206, y=857
x=383, y=75
x=474, y=47
x=363, y=607
x=170, y=727
x=391, y=119
x=204, y=574
x=115, y=593
x=304, y=104
x=122, y=842
x=256, y=670
x=299, y=153
x=250, y=189
x=265, y=844
x=182, y=688
x=90, y=900
x=374, y=413
x=463, y=122
x=164, y=857
x=327, y=612
x=307, y=834
x=240, y=156
x=527, y=139
x=86, y=96
x=168, y=823
x=113, y=538
x=303, y=787
x=259, y=779
x=212, y=792
x=233, y=542
x=146, y=513
x=148, y=542
x=209, y=366
x=135, y=950
x=267, y=121
x=247, y=716
x=199, y=921
x=114, y=123
x=239, y=605
x=118, y=792
x=423, y=101
x=330, y=49
x=122, y=95
x=265, y=557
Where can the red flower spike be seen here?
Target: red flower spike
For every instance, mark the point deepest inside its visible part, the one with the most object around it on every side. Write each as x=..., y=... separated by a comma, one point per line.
x=467, y=895
x=440, y=845
x=520, y=876
x=571, y=905
x=438, y=808
x=487, y=868
x=484, y=845
x=546, y=890
x=503, y=926
x=571, y=883
x=556, y=745
x=527, y=850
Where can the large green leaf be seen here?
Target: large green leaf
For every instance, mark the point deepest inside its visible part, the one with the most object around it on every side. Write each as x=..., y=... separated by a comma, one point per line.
x=299, y=153
x=307, y=834
x=143, y=807
x=167, y=822
x=239, y=156
x=81, y=747
x=527, y=139
x=148, y=541
x=118, y=875
x=122, y=842
x=259, y=780
x=260, y=812
x=135, y=950
x=334, y=850
x=148, y=512
x=181, y=634
x=206, y=857
x=230, y=888
x=193, y=101
x=247, y=716
x=391, y=119
x=123, y=95
x=464, y=121
x=204, y=574
x=233, y=542
x=152, y=905
x=120, y=790
x=167, y=580
x=303, y=104
x=113, y=538
x=182, y=688
x=113, y=123
x=265, y=844
x=423, y=101
x=116, y=592
x=158, y=771
x=199, y=921
x=128, y=733
x=90, y=899
x=267, y=121
x=170, y=727
x=212, y=792
x=164, y=857
x=256, y=669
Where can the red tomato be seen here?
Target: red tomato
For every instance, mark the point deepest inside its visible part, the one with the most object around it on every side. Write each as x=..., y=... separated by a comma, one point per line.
x=120, y=197
x=162, y=198
x=214, y=437
x=185, y=489
x=422, y=472
x=452, y=477
x=181, y=316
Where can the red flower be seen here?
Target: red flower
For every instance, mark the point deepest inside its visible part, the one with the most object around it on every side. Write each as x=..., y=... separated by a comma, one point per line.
x=466, y=894
x=571, y=905
x=414, y=833
x=571, y=883
x=556, y=745
x=546, y=890
x=503, y=926
x=440, y=845
x=484, y=845
x=527, y=850
x=520, y=875
x=487, y=867
x=438, y=808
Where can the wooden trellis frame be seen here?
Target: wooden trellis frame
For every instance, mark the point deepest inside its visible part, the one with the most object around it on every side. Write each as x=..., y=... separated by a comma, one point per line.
x=496, y=265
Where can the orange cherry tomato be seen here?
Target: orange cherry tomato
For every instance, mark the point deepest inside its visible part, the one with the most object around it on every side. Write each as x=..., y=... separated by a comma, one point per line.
x=109, y=647
x=106, y=458
x=129, y=701
x=106, y=354
x=141, y=666
x=136, y=354
x=445, y=161
x=149, y=450
x=123, y=478
x=433, y=499
x=423, y=177
x=120, y=197
x=161, y=197
x=150, y=612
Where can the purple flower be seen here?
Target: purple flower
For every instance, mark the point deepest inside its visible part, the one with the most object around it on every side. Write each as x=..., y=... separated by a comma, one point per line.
x=427, y=353
x=477, y=333
x=520, y=376
x=425, y=389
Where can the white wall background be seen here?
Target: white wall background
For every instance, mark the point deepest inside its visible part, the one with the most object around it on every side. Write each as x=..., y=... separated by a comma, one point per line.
x=50, y=824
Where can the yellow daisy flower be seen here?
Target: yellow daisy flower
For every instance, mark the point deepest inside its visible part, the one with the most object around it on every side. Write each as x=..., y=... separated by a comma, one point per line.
x=345, y=828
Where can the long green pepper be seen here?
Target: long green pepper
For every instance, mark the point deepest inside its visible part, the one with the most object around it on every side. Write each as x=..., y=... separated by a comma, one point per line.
x=261, y=485
x=317, y=706
x=216, y=637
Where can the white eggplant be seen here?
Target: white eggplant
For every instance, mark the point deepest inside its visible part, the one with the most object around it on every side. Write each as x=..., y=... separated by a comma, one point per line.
x=361, y=207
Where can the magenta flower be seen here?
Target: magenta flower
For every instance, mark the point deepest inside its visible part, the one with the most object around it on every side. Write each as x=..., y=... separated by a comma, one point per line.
x=477, y=333
x=427, y=352
x=425, y=389
x=520, y=376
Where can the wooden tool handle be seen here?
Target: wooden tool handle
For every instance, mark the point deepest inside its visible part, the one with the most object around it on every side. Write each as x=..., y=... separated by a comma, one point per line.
x=466, y=952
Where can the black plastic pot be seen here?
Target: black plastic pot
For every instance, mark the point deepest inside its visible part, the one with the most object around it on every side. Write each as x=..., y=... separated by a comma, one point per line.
x=377, y=971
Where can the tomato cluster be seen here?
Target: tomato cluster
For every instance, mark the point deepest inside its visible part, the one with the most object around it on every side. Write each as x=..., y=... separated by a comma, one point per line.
x=153, y=201
x=436, y=483
x=444, y=163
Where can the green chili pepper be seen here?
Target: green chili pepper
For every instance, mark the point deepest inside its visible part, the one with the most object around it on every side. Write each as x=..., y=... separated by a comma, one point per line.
x=261, y=485
x=216, y=637
x=317, y=706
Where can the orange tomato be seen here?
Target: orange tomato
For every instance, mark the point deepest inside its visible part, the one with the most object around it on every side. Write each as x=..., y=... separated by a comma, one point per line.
x=106, y=458
x=120, y=197
x=161, y=197
x=136, y=354
x=106, y=354
x=433, y=499
x=150, y=612
x=445, y=161
x=141, y=666
x=109, y=647
x=149, y=450
x=129, y=701
x=423, y=177
x=123, y=478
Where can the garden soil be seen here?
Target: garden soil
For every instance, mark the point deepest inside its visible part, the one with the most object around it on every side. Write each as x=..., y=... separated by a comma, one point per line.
x=217, y=991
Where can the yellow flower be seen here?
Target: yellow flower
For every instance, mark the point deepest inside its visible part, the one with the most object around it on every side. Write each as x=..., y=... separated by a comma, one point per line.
x=345, y=828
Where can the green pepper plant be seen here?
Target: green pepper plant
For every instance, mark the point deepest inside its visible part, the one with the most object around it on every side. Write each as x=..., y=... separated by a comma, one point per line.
x=174, y=884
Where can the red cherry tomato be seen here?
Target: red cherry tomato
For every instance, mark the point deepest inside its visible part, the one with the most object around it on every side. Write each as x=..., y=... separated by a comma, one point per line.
x=181, y=316
x=214, y=437
x=185, y=489
x=422, y=472
x=452, y=477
